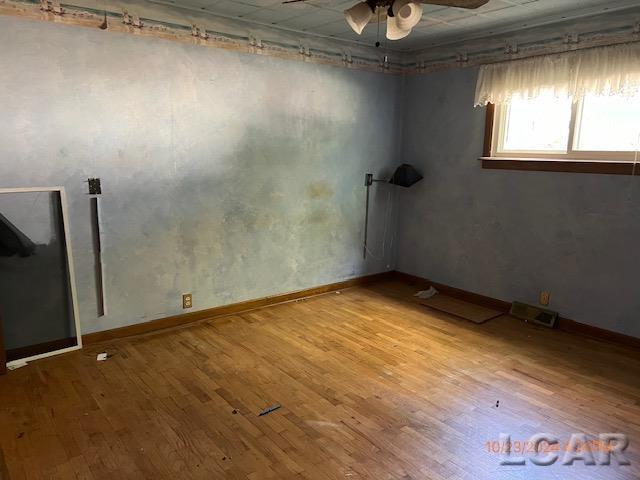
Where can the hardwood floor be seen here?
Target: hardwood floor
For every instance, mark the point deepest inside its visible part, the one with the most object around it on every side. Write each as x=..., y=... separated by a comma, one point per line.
x=371, y=385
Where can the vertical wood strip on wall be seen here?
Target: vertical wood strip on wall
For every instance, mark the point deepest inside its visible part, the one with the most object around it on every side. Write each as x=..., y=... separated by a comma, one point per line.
x=97, y=249
x=488, y=130
x=3, y=354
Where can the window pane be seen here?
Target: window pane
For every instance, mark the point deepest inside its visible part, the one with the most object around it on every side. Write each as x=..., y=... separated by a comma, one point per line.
x=609, y=124
x=537, y=125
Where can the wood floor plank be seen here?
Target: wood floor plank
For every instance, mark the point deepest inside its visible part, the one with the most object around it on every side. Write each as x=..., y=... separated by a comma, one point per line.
x=371, y=385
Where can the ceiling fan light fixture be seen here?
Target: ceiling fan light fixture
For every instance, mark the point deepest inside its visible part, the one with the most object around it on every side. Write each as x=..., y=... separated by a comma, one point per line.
x=407, y=13
x=394, y=32
x=358, y=16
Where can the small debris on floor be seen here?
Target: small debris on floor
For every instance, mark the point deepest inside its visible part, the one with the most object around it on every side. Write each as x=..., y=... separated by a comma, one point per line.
x=430, y=292
x=270, y=409
x=102, y=357
x=21, y=434
x=235, y=412
x=338, y=292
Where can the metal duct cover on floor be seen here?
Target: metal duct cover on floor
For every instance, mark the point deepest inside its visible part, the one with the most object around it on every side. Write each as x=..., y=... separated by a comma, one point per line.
x=405, y=176
x=538, y=315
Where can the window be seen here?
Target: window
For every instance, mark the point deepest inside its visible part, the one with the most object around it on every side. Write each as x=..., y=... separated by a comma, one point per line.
x=608, y=124
x=535, y=126
x=596, y=129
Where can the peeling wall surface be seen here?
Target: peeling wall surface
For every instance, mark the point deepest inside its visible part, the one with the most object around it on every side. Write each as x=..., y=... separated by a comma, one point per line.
x=510, y=234
x=226, y=175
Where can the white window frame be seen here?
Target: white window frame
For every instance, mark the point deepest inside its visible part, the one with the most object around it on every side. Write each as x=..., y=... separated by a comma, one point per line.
x=499, y=128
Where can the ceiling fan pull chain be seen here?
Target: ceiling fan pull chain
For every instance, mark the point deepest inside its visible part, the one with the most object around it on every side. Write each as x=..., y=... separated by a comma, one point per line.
x=378, y=34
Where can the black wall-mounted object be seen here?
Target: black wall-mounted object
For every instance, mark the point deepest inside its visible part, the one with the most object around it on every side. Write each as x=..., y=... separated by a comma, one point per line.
x=404, y=176
x=94, y=186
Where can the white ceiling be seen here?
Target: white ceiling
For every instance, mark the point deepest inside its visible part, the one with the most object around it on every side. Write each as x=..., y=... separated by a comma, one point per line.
x=439, y=24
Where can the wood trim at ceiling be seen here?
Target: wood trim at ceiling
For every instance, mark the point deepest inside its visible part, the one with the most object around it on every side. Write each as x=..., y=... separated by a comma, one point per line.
x=552, y=165
x=356, y=56
x=210, y=313
x=564, y=324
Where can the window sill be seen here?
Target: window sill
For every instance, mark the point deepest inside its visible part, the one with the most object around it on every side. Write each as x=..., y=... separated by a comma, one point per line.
x=561, y=165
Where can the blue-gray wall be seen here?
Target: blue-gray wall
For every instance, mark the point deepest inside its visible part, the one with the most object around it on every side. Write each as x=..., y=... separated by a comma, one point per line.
x=227, y=175
x=510, y=234
x=235, y=176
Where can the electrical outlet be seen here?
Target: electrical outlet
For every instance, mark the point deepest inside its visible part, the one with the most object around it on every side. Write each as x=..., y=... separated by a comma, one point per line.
x=187, y=301
x=544, y=298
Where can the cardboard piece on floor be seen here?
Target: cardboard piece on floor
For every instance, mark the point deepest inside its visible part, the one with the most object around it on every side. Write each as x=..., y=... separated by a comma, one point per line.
x=460, y=308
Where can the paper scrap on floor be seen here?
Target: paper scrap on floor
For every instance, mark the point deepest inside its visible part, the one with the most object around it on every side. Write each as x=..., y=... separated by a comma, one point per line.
x=430, y=292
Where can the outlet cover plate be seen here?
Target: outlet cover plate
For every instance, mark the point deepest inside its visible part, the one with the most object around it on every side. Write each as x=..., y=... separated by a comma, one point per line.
x=545, y=297
x=187, y=300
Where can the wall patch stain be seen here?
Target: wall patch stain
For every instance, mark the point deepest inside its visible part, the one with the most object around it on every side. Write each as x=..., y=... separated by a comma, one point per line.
x=317, y=217
x=226, y=203
x=319, y=190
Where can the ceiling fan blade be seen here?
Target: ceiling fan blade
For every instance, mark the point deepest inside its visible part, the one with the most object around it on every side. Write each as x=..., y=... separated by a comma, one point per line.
x=457, y=3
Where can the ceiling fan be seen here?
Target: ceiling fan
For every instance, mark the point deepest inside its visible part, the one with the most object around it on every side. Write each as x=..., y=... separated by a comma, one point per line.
x=401, y=15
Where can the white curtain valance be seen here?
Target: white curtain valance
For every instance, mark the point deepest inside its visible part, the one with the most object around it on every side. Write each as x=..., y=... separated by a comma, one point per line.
x=602, y=71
